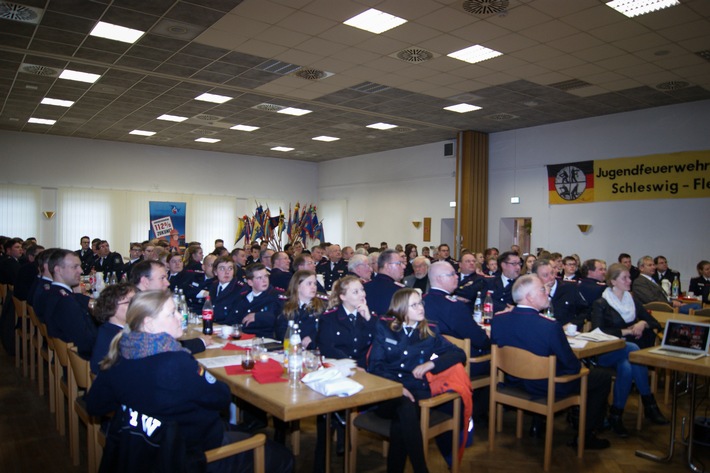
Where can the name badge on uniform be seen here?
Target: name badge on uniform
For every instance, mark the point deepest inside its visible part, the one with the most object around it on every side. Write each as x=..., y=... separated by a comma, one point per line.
x=389, y=340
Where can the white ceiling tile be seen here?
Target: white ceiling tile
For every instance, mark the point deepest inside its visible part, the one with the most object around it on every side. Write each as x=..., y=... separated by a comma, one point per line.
x=656, y=78
x=409, y=10
x=337, y=11
x=550, y=31
x=320, y=47
x=549, y=78
x=447, y=19
x=356, y=55
x=416, y=86
x=640, y=70
x=519, y=18
x=386, y=64
x=621, y=84
x=306, y=23
x=602, y=78
x=594, y=18
x=382, y=45
x=284, y=37
x=562, y=62
x=479, y=33
x=220, y=39
x=617, y=31
x=557, y=8
x=538, y=52
x=300, y=58
x=411, y=33
x=639, y=43
x=598, y=53
x=527, y=70
x=444, y=44
x=582, y=71
x=470, y=86
x=589, y=91
x=695, y=29
x=343, y=34
x=576, y=42
x=244, y=26
x=677, y=15
x=254, y=10
x=618, y=62
x=261, y=48
x=497, y=78
x=443, y=92
x=509, y=43
x=332, y=64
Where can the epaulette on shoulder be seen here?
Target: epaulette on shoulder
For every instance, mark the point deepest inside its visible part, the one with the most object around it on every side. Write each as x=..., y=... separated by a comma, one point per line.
x=547, y=318
x=278, y=289
x=283, y=297
x=387, y=319
x=451, y=298
x=399, y=284
x=570, y=281
x=323, y=297
x=466, y=285
x=330, y=311
x=63, y=292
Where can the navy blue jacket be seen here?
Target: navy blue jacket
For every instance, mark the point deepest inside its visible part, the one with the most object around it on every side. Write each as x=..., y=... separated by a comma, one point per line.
x=471, y=285
x=170, y=386
x=591, y=290
x=339, y=270
x=39, y=297
x=68, y=319
x=266, y=307
x=569, y=305
x=394, y=356
x=525, y=328
x=501, y=296
x=280, y=279
x=226, y=302
x=181, y=280
x=307, y=324
x=379, y=292
x=25, y=279
x=339, y=338
x=199, y=283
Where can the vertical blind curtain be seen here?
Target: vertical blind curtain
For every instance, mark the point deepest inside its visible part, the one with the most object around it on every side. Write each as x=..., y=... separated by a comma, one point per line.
x=19, y=211
x=212, y=217
x=92, y=212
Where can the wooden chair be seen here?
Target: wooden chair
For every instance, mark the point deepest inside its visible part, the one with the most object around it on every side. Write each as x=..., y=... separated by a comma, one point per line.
x=431, y=422
x=45, y=354
x=256, y=443
x=32, y=332
x=61, y=385
x=480, y=381
x=79, y=383
x=3, y=294
x=525, y=365
x=21, y=339
x=703, y=312
x=661, y=307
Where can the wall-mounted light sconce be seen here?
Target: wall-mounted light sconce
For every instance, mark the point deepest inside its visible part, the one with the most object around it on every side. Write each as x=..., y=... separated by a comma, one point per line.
x=584, y=227
x=48, y=214
x=360, y=223
x=416, y=223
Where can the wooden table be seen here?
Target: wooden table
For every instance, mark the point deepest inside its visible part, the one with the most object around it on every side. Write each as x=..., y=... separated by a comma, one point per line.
x=598, y=348
x=288, y=403
x=664, y=317
x=694, y=368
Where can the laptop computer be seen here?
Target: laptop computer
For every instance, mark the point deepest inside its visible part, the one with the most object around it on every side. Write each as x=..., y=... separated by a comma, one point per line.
x=684, y=339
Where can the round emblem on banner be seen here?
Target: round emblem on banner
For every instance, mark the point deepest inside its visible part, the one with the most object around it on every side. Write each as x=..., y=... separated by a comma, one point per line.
x=570, y=182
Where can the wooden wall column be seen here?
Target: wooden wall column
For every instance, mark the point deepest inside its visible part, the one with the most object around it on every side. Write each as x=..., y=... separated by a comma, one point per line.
x=471, y=191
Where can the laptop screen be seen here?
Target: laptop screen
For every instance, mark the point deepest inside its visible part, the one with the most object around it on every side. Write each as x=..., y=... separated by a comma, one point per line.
x=687, y=335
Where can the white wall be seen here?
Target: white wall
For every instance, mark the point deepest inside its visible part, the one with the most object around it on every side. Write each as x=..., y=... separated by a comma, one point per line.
x=389, y=190
x=676, y=228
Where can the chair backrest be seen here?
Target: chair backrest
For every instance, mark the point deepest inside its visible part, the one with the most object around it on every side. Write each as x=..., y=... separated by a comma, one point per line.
x=523, y=364
x=659, y=306
x=462, y=343
x=20, y=308
x=80, y=369
x=61, y=348
x=704, y=312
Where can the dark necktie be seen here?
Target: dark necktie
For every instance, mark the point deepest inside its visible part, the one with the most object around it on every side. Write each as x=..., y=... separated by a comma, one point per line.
x=219, y=290
x=353, y=318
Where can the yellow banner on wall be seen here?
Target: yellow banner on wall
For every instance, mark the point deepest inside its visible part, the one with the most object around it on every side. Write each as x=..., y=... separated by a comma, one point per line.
x=660, y=176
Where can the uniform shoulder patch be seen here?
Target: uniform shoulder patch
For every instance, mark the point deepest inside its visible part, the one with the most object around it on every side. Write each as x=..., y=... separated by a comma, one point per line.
x=283, y=297
x=63, y=292
x=399, y=284
x=451, y=298
x=323, y=297
x=328, y=312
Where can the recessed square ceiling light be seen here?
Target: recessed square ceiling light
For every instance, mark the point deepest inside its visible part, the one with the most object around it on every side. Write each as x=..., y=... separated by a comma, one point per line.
x=244, y=128
x=115, y=32
x=462, y=108
x=57, y=102
x=294, y=111
x=632, y=8
x=214, y=98
x=281, y=148
x=172, y=118
x=41, y=121
x=382, y=126
x=474, y=54
x=79, y=76
x=325, y=138
x=208, y=140
x=375, y=21
x=141, y=133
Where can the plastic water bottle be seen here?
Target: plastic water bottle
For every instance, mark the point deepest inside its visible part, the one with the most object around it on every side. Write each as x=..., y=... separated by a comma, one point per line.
x=675, y=289
x=295, y=365
x=184, y=311
x=478, y=309
x=550, y=311
x=207, y=316
x=287, y=342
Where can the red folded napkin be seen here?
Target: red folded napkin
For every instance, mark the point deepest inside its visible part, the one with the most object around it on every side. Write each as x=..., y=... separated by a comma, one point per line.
x=231, y=346
x=235, y=369
x=269, y=372
x=247, y=336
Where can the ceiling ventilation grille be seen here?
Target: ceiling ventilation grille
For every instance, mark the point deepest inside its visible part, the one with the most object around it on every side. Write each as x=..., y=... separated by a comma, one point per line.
x=485, y=7
x=268, y=107
x=202, y=131
x=21, y=13
x=312, y=74
x=499, y=117
x=570, y=84
x=207, y=118
x=37, y=70
x=673, y=85
x=369, y=88
x=414, y=54
x=278, y=67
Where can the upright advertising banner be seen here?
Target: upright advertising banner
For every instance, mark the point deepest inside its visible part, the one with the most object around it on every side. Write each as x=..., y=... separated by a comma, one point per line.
x=683, y=175
x=167, y=222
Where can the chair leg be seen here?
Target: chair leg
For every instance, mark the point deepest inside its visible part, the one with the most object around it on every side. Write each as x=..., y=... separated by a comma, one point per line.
x=33, y=358
x=456, y=436
x=424, y=424
x=548, y=441
x=18, y=349
x=59, y=398
x=25, y=360
x=91, y=446
x=492, y=422
x=40, y=373
x=352, y=458
x=50, y=384
x=519, y=424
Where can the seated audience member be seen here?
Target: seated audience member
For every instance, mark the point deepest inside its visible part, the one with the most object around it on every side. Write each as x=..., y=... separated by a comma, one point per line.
x=225, y=291
x=470, y=282
x=305, y=262
x=528, y=262
x=360, y=266
x=66, y=313
x=219, y=243
x=346, y=330
x=524, y=328
x=568, y=305
x=700, y=286
x=265, y=258
x=516, y=249
x=426, y=252
x=348, y=253
x=593, y=281
x=28, y=273
x=304, y=306
x=280, y=273
x=198, y=289
x=501, y=285
x=452, y=316
x=178, y=277
x=258, y=305
x=150, y=252
x=373, y=256
x=239, y=256
x=110, y=312
x=625, y=259
x=40, y=287
x=86, y=255
x=148, y=371
x=618, y=313
x=387, y=281
x=570, y=271
x=491, y=267
x=150, y=275
x=136, y=255
x=334, y=269
x=108, y=261
x=193, y=258
x=10, y=262
x=410, y=251
x=419, y=279
x=647, y=290
x=404, y=349
x=663, y=272
x=254, y=252
x=445, y=255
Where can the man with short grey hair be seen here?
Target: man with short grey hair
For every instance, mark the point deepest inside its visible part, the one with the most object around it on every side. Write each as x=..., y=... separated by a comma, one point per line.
x=383, y=286
x=419, y=278
x=360, y=267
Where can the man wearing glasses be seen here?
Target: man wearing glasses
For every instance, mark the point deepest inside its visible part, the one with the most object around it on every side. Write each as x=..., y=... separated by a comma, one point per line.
x=390, y=271
x=501, y=284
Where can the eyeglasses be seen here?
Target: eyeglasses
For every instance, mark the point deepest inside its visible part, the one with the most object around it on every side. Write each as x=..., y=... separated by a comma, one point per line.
x=514, y=263
x=396, y=263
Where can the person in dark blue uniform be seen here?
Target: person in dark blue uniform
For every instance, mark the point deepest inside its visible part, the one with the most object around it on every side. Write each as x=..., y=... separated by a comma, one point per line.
x=28, y=273
x=66, y=313
x=347, y=329
x=305, y=262
x=192, y=260
x=108, y=262
x=148, y=371
x=501, y=285
x=334, y=269
x=36, y=295
x=178, y=277
x=199, y=287
x=523, y=327
x=568, y=305
x=110, y=310
x=135, y=256
x=258, y=305
x=86, y=255
x=592, y=282
x=402, y=351
x=387, y=281
x=700, y=286
x=470, y=283
x=304, y=306
x=280, y=276
x=225, y=291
